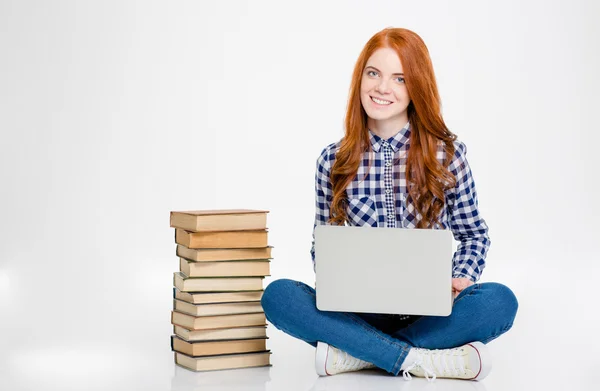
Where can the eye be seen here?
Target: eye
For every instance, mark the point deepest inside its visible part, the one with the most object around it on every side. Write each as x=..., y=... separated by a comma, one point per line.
x=400, y=78
x=369, y=72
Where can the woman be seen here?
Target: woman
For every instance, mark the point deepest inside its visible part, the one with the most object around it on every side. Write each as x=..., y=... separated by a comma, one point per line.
x=398, y=165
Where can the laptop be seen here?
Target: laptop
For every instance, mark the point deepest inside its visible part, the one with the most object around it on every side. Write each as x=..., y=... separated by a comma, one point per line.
x=384, y=270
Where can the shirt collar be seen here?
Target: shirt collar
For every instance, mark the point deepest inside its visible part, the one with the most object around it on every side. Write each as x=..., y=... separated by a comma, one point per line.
x=396, y=141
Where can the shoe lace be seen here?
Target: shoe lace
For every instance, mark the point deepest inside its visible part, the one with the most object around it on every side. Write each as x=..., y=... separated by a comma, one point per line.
x=444, y=361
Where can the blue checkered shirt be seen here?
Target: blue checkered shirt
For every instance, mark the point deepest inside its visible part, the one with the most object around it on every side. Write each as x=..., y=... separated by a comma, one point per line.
x=380, y=199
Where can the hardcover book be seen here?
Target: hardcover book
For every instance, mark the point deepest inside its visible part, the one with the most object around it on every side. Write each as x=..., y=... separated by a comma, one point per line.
x=222, y=239
x=224, y=361
x=225, y=268
x=217, y=321
x=219, y=220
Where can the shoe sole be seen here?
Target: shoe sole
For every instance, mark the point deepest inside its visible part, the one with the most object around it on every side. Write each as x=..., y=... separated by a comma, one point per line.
x=484, y=358
x=321, y=359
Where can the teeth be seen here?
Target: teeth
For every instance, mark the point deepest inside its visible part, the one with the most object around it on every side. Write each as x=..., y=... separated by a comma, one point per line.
x=381, y=102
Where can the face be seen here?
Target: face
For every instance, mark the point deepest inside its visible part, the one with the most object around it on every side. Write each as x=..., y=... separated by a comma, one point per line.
x=383, y=93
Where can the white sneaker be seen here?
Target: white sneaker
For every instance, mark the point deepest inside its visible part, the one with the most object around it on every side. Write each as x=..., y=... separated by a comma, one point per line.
x=469, y=362
x=331, y=361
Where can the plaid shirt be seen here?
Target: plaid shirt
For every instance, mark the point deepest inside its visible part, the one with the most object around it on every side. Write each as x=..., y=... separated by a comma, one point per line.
x=380, y=199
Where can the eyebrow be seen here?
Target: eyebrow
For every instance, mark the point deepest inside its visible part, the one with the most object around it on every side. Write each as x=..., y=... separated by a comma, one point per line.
x=370, y=66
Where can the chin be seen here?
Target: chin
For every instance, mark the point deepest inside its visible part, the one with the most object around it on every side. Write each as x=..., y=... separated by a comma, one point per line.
x=379, y=116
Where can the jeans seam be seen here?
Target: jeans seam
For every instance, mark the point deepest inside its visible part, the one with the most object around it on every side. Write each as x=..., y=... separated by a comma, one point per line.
x=504, y=330
x=390, y=340
x=286, y=330
x=472, y=291
x=398, y=364
x=404, y=347
x=305, y=287
x=370, y=329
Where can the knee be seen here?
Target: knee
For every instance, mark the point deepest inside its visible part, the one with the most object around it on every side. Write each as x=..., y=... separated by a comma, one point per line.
x=275, y=293
x=502, y=299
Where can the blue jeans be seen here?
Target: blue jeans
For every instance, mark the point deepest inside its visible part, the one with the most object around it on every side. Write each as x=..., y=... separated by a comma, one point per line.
x=481, y=312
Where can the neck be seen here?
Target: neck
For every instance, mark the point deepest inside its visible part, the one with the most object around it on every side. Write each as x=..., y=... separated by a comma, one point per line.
x=387, y=128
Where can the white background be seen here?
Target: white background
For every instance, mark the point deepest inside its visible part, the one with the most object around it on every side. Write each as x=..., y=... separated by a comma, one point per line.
x=114, y=113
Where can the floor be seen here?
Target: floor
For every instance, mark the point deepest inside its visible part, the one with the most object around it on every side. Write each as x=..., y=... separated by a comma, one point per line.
x=552, y=346
x=519, y=367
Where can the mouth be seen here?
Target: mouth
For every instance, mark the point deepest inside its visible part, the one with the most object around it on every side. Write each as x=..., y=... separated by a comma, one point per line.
x=380, y=102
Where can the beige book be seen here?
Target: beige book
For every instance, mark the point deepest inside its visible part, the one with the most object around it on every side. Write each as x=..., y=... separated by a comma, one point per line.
x=225, y=268
x=220, y=334
x=217, y=309
x=227, y=361
x=216, y=284
x=217, y=297
x=223, y=254
x=219, y=220
x=210, y=348
x=222, y=239
x=217, y=321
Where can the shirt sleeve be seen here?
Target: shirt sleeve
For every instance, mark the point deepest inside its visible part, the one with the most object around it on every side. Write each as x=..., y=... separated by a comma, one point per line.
x=323, y=195
x=467, y=225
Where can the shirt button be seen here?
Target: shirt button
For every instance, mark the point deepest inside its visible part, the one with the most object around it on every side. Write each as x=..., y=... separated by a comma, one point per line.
x=388, y=191
x=388, y=164
x=390, y=217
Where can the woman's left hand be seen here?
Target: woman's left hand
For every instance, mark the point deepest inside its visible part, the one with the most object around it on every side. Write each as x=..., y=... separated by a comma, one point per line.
x=458, y=284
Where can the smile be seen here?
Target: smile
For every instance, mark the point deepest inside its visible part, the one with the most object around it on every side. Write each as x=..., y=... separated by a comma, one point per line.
x=381, y=101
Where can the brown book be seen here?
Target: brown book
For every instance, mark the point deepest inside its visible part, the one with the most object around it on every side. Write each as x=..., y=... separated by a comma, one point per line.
x=216, y=284
x=219, y=220
x=223, y=254
x=225, y=361
x=217, y=321
x=211, y=348
x=217, y=309
x=217, y=297
x=225, y=268
x=220, y=334
x=222, y=239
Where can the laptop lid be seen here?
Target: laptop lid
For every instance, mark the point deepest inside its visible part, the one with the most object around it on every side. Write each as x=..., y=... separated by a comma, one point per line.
x=384, y=270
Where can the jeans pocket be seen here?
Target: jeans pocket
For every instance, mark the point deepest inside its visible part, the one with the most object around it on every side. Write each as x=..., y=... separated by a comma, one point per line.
x=362, y=211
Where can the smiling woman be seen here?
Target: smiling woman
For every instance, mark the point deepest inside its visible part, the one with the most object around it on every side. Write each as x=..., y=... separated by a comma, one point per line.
x=399, y=166
x=393, y=84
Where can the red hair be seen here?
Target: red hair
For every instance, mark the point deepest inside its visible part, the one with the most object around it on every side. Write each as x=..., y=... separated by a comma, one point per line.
x=426, y=178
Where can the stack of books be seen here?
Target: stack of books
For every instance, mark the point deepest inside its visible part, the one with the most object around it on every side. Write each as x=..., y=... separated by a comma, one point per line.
x=218, y=321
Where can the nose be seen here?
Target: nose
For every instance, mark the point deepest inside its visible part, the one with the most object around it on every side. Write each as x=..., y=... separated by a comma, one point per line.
x=382, y=86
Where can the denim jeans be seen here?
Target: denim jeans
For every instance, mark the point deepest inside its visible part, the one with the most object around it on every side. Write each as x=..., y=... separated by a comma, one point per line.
x=481, y=312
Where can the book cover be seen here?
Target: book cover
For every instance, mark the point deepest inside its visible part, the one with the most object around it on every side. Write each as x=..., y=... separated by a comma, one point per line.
x=222, y=239
x=224, y=361
x=217, y=297
x=248, y=268
x=219, y=220
x=223, y=254
x=211, y=348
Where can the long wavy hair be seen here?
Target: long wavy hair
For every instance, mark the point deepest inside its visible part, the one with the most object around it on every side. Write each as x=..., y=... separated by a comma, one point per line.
x=426, y=178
